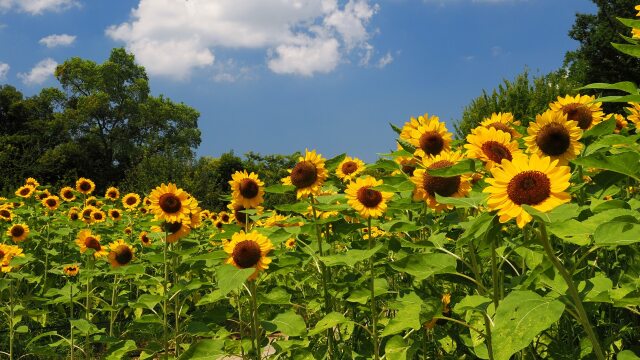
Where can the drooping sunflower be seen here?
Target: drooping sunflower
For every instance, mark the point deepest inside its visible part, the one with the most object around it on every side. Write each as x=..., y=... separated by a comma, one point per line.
x=115, y=214
x=553, y=135
x=580, y=108
x=502, y=121
x=8, y=252
x=71, y=270
x=131, y=201
x=18, y=232
x=427, y=186
x=66, y=194
x=33, y=182
x=491, y=146
x=430, y=139
x=87, y=240
x=634, y=114
x=85, y=186
x=25, y=191
x=174, y=230
x=307, y=175
x=121, y=253
x=112, y=193
x=98, y=216
x=145, y=240
x=171, y=204
x=247, y=189
x=368, y=202
x=51, y=202
x=536, y=181
x=290, y=243
x=249, y=250
x=349, y=168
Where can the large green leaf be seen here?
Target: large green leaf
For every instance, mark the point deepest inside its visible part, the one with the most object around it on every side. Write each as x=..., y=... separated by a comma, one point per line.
x=422, y=266
x=626, y=86
x=288, y=323
x=351, y=257
x=627, y=163
x=409, y=307
x=462, y=167
x=204, y=350
x=603, y=128
x=617, y=233
x=472, y=201
x=629, y=49
x=520, y=317
x=627, y=355
x=120, y=349
x=230, y=278
x=396, y=348
x=329, y=321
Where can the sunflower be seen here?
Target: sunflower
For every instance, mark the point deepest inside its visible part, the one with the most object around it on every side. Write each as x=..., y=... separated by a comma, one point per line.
x=91, y=201
x=491, y=146
x=368, y=202
x=169, y=203
x=277, y=220
x=537, y=181
x=307, y=175
x=98, y=216
x=224, y=217
x=85, y=214
x=128, y=230
x=41, y=195
x=51, y=202
x=121, y=253
x=247, y=189
x=85, y=186
x=349, y=169
x=73, y=214
x=414, y=123
x=8, y=252
x=145, y=240
x=634, y=114
x=195, y=220
x=446, y=311
x=290, y=243
x=174, y=230
x=579, y=108
x=240, y=215
x=427, y=186
x=554, y=136
x=430, y=139
x=249, y=250
x=621, y=122
x=6, y=214
x=18, y=232
x=115, y=214
x=33, y=182
x=25, y=191
x=71, y=270
x=86, y=240
x=375, y=232
x=205, y=215
x=501, y=121
x=218, y=224
x=66, y=194
x=131, y=201
x=112, y=193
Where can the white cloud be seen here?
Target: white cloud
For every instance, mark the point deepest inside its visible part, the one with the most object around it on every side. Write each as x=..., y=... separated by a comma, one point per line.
x=385, y=60
x=229, y=71
x=57, y=40
x=4, y=70
x=302, y=37
x=39, y=73
x=37, y=7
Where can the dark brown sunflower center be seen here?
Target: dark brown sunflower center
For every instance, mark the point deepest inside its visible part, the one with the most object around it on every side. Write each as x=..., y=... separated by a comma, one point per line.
x=5, y=213
x=304, y=174
x=172, y=227
x=349, y=167
x=246, y=254
x=579, y=113
x=17, y=231
x=67, y=194
x=123, y=254
x=368, y=197
x=25, y=191
x=97, y=215
x=431, y=143
x=2, y=254
x=112, y=194
x=553, y=139
x=86, y=214
x=92, y=243
x=496, y=151
x=443, y=186
x=408, y=169
x=85, y=186
x=249, y=188
x=170, y=203
x=529, y=187
x=219, y=224
x=240, y=215
x=73, y=216
x=42, y=196
x=145, y=239
x=51, y=202
x=224, y=218
x=132, y=200
x=115, y=213
x=72, y=269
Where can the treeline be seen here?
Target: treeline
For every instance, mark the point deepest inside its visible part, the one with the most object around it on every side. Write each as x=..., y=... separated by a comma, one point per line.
x=105, y=125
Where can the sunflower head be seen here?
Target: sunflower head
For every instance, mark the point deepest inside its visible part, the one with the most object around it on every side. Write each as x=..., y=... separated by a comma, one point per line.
x=427, y=186
x=621, y=122
x=73, y=214
x=349, y=169
x=491, y=146
x=33, y=182
x=239, y=213
x=553, y=135
x=173, y=230
x=121, y=253
x=91, y=201
x=224, y=217
x=66, y=194
x=71, y=270
x=307, y=175
x=51, y=202
x=18, y=232
x=501, y=121
x=536, y=181
x=112, y=193
x=430, y=139
x=249, y=250
x=145, y=240
x=131, y=201
x=6, y=214
x=86, y=240
x=367, y=201
x=85, y=214
x=115, y=214
x=169, y=203
x=98, y=216
x=85, y=186
x=415, y=123
x=247, y=189
x=8, y=252
x=581, y=109
x=290, y=243
x=25, y=191
x=634, y=114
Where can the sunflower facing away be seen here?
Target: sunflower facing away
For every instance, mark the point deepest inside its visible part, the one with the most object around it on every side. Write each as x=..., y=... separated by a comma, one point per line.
x=446, y=311
x=554, y=136
x=501, y=121
x=66, y=194
x=8, y=252
x=427, y=186
x=536, y=181
x=247, y=189
x=171, y=204
x=18, y=232
x=112, y=193
x=581, y=109
x=368, y=202
x=349, y=169
x=71, y=270
x=491, y=146
x=121, y=253
x=307, y=175
x=131, y=201
x=25, y=191
x=85, y=186
x=430, y=139
x=249, y=251
x=87, y=240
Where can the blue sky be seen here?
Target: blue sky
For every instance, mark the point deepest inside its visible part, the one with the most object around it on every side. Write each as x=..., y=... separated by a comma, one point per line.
x=276, y=76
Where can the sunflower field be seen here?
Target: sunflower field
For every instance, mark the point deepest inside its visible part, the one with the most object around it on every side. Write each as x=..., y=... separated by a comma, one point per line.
x=518, y=242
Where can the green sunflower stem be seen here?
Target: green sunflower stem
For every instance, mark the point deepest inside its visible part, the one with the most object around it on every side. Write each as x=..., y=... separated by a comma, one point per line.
x=495, y=274
x=573, y=292
x=374, y=315
x=11, y=324
x=481, y=291
x=176, y=302
x=237, y=296
x=254, y=318
x=112, y=317
x=165, y=337
x=88, y=316
x=71, y=317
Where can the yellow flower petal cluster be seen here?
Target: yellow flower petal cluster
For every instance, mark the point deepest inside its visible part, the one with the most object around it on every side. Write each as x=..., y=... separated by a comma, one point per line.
x=368, y=202
x=580, y=108
x=249, y=250
x=307, y=175
x=553, y=135
x=427, y=186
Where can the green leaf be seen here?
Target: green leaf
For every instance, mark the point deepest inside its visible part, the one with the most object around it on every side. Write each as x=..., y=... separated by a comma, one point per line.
x=422, y=266
x=520, y=317
x=629, y=49
x=279, y=189
x=627, y=355
x=363, y=294
x=571, y=231
x=400, y=226
x=617, y=233
x=627, y=163
x=395, y=128
x=632, y=23
x=230, y=278
x=603, y=128
x=148, y=300
x=559, y=214
x=350, y=258
x=473, y=201
x=288, y=323
x=396, y=348
x=407, y=317
x=626, y=86
x=622, y=98
x=300, y=207
x=204, y=350
x=406, y=145
x=462, y=167
x=384, y=164
x=330, y=320
x=472, y=302
x=277, y=296
x=333, y=163
x=596, y=289
x=120, y=349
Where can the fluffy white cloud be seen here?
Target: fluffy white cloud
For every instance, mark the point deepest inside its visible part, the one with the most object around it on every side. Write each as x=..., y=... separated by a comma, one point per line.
x=39, y=73
x=303, y=37
x=36, y=7
x=385, y=60
x=57, y=40
x=4, y=70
